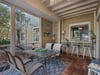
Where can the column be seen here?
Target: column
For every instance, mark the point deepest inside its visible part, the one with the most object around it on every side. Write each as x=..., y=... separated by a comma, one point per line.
x=40, y=32
x=98, y=33
x=59, y=33
x=95, y=25
x=12, y=32
x=98, y=41
x=95, y=31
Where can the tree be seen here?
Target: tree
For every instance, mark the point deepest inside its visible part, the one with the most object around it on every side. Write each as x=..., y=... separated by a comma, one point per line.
x=4, y=21
x=19, y=20
x=20, y=16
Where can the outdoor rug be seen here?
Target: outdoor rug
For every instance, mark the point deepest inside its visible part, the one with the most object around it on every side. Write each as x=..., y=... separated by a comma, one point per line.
x=54, y=67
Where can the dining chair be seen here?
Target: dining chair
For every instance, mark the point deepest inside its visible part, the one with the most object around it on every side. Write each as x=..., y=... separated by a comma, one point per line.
x=87, y=46
x=27, y=69
x=11, y=62
x=75, y=47
x=10, y=58
x=48, y=46
x=57, y=48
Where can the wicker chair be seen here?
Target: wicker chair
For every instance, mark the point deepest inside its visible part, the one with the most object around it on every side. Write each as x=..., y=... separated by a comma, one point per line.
x=27, y=69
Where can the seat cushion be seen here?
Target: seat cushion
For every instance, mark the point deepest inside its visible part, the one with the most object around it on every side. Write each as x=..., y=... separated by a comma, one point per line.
x=25, y=61
x=87, y=46
x=30, y=64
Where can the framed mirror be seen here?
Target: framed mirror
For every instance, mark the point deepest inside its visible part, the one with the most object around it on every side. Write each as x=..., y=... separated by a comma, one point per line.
x=79, y=31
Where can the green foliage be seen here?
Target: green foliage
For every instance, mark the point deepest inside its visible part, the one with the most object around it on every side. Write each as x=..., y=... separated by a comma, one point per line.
x=3, y=42
x=66, y=39
x=22, y=18
x=92, y=35
x=4, y=15
x=4, y=21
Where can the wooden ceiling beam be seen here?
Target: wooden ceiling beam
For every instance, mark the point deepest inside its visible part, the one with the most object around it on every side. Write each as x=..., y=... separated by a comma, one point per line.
x=78, y=15
x=65, y=4
x=76, y=6
x=79, y=9
x=81, y=12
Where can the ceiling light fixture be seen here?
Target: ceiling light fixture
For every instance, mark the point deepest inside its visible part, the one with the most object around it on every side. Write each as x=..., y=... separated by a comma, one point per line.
x=80, y=28
x=52, y=2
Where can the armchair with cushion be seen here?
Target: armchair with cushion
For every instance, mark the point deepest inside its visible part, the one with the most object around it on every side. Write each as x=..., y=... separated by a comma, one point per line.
x=27, y=69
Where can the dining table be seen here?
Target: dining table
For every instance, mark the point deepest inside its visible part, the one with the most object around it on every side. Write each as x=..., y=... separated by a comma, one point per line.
x=42, y=54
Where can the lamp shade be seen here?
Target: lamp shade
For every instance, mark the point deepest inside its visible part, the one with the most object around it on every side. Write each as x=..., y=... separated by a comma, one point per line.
x=63, y=32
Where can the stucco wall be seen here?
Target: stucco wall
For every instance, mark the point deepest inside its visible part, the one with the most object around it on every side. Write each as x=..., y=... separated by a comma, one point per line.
x=78, y=19
x=27, y=35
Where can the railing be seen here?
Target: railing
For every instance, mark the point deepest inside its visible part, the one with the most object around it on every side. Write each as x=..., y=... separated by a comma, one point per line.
x=23, y=46
x=28, y=45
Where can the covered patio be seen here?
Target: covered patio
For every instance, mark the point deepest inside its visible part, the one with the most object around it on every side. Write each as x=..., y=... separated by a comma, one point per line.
x=49, y=37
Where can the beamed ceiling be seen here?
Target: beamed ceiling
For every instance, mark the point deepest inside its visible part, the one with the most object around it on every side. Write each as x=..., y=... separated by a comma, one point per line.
x=70, y=8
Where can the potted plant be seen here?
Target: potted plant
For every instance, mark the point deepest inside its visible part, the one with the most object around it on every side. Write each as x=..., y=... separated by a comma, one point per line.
x=65, y=41
x=93, y=37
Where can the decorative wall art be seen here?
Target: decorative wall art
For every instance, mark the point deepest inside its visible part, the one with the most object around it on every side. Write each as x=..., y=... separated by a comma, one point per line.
x=47, y=34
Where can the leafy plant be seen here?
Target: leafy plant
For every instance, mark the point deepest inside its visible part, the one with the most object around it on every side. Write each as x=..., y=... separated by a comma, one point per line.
x=66, y=39
x=2, y=42
x=92, y=35
x=4, y=21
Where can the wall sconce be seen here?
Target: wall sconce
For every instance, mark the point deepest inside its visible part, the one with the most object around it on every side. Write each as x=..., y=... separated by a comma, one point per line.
x=63, y=32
